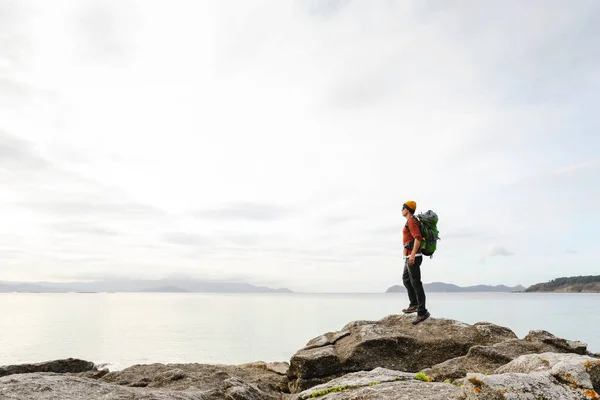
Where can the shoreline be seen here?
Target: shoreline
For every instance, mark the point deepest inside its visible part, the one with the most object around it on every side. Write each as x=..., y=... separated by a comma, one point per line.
x=439, y=358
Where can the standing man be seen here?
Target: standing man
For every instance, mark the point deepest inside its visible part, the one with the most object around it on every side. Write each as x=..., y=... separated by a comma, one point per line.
x=412, y=264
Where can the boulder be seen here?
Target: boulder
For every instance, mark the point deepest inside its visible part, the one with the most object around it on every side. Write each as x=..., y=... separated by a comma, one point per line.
x=377, y=384
x=392, y=342
x=560, y=344
x=268, y=378
x=68, y=365
x=538, y=376
x=572, y=369
x=485, y=359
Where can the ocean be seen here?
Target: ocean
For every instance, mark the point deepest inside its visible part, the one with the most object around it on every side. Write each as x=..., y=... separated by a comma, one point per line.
x=122, y=329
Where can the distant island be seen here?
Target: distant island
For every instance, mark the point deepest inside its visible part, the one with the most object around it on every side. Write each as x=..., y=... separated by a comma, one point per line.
x=126, y=285
x=448, y=287
x=573, y=284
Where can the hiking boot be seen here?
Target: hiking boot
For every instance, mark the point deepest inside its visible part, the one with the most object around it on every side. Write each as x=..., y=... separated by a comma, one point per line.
x=410, y=310
x=421, y=318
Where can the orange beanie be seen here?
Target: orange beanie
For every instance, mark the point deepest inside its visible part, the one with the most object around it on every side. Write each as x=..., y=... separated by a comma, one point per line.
x=411, y=206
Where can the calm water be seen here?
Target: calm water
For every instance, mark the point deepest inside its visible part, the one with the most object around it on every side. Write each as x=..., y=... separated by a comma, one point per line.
x=122, y=329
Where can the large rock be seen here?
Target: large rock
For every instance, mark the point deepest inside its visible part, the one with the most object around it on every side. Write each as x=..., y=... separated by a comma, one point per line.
x=567, y=346
x=485, y=359
x=572, y=369
x=253, y=381
x=378, y=384
x=392, y=342
x=44, y=386
x=68, y=365
x=268, y=378
x=538, y=376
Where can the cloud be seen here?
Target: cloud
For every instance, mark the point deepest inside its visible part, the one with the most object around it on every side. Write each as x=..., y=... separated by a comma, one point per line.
x=457, y=234
x=23, y=165
x=570, y=251
x=324, y=8
x=222, y=241
x=19, y=155
x=245, y=240
x=82, y=228
x=495, y=251
x=11, y=254
x=336, y=220
x=15, y=46
x=186, y=239
x=388, y=230
x=579, y=167
x=103, y=29
x=244, y=211
x=498, y=251
x=282, y=137
x=94, y=208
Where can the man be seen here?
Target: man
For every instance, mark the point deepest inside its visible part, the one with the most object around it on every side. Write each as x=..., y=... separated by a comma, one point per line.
x=412, y=264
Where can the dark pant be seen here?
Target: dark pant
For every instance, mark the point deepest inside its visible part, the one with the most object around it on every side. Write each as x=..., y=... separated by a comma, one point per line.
x=412, y=282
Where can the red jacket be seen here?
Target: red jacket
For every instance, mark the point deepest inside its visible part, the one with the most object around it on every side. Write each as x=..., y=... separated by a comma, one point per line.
x=413, y=232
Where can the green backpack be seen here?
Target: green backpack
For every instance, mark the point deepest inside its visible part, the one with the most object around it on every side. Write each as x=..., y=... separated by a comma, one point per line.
x=428, y=224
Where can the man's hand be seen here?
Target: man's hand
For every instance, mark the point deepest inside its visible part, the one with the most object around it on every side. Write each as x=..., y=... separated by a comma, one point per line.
x=417, y=245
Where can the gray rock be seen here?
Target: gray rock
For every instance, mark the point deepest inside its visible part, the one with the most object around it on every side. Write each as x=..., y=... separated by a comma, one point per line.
x=220, y=378
x=538, y=376
x=572, y=369
x=568, y=346
x=326, y=339
x=392, y=342
x=485, y=359
x=380, y=383
x=68, y=365
x=403, y=390
x=280, y=368
x=517, y=387
x=48, y=386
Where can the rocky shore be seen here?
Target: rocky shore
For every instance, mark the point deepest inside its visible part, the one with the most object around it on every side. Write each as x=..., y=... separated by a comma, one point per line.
x=385, y=359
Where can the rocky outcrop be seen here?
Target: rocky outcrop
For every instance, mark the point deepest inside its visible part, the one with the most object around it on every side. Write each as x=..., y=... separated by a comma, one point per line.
x=385, y=359
x=484, y=359
x=268, y=378
x=392, y=342
x=561, y=345
x=538, y=376
x=43, y=386
x=256, y=381
x=380, y=383
x=69, y=365
x=535, y=376
x=77, y=380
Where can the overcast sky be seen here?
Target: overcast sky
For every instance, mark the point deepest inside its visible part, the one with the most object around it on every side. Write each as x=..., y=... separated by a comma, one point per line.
x=274, y=142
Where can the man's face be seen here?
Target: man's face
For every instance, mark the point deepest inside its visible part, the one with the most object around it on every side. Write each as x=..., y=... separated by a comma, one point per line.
x=404, y=212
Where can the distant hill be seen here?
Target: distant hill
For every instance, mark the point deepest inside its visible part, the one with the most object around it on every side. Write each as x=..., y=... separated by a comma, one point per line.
x=125, y=285
x=165, y=289
x=31, y=288
x=448, y=287
x=573, y=284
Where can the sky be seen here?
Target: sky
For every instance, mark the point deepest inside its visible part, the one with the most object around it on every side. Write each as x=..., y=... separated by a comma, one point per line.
x=274, y=142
